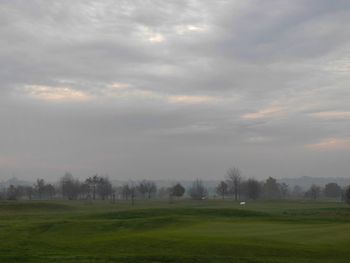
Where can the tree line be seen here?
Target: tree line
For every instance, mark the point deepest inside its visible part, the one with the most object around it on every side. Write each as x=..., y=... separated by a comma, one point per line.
x=240, y=188
x=92, y=188
x=234, y=186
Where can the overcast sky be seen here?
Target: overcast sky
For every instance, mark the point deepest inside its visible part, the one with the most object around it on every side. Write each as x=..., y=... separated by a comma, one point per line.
x=174, y=89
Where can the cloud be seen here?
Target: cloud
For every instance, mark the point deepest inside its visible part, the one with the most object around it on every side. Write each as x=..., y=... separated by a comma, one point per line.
x=330, y=144
x=183, y=29
x=269, y=112
x=119, y=86
x=331, y=115
x=186, y=99
x=56, y=94
x=156, y=38
x=177, y=68
x=151, y=36
x=259, y=140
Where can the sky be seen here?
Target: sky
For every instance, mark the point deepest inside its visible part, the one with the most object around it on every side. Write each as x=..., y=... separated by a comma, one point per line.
x=174, y=89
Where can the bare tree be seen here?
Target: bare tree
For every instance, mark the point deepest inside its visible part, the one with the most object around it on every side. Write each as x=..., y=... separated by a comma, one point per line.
x=222, y=189
x=234, y=181
x=132, y=189
x=70, y=187
x=93, y=182
x=104, y=188
x=125, y=191
x=142, y=188
x=40, y=187
x=84, y=191
x=147, y=187
x=151, y=189
x=284, y=190
x=49, y=191
x=313, y=192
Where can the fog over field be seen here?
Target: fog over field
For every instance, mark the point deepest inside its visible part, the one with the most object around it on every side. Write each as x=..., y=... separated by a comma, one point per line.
x=174, y=89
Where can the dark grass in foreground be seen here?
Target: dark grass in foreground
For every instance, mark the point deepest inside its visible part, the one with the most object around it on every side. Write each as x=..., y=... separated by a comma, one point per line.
x=187, y=231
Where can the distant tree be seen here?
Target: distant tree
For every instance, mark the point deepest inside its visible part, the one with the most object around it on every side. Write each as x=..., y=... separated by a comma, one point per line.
x=253, y=189
x=132, y=188
x=125, y=191
x=49, y=190
x=284, y=190
x=234, y=181
x=313, y=192
x=84, y=190
x=70, y=187
x=347, y=195
x=104, y=188
x=93, y=183
x=114, y=194
x=150, y=187
x=332, y=190
x=197, y=191
x=177, y=190
x=142, y=188
x=271, y=189
x=40, y=187
x=222, y=189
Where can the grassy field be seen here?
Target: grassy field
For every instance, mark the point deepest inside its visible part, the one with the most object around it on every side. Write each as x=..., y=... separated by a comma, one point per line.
x=186, y=231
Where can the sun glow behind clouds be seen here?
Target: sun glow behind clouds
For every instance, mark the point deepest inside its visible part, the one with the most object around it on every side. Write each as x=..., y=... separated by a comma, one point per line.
x=148, y=34
x=59, y=94
x=182, y=29
x=156, y=38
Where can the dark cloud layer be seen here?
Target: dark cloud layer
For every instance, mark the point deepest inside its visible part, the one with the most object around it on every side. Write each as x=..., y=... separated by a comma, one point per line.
x=174, y=89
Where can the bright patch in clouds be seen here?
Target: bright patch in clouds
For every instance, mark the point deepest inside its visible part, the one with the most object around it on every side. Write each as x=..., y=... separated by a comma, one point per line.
x=156, y=38
x=182, y=29
x=119, y=86
x=273, y=111
x=151, y=36
x=330, y=144
x=49, y=93
x=123, y=90
x=191, y=99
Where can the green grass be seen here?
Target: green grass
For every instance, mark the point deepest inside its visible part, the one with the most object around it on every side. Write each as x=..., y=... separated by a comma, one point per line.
x=186, y=231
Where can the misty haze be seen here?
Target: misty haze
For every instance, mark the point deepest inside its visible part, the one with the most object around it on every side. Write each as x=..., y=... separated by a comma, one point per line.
x=175, y=131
